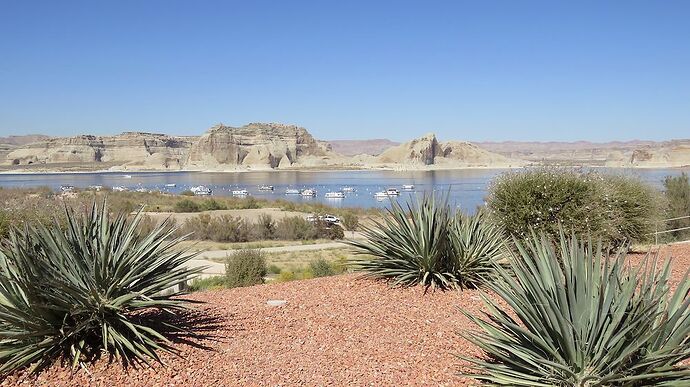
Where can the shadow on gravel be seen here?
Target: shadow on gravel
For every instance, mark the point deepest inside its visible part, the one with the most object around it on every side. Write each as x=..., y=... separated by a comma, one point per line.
x=191, y=327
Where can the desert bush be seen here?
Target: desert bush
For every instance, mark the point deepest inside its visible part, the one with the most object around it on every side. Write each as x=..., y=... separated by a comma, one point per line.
x=245, y=268
x=224, y=228
x=274, y=269
x=677, y=192
x=633, y=208
x=581, y=318
x=228, y=228
x=265, y=227
x=84, y=289
x=250, y=203
x=612, y=208
x=213, y=205
x=429, y=243
x=286, y=276
x=187, y=205
x=210, y=283
x=295, y=228
x=350, y=221
x=324, y=230
x=321, y=268
x=187, y=193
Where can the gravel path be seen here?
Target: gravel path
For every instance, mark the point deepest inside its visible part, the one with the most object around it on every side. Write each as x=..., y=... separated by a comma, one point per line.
x=332, y=331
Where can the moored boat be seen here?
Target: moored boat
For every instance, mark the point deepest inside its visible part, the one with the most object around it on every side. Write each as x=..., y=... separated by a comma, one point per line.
x=309, y=193
x=240, y=192
x=170, y=185
x=408, y=187
x=292, y=191
x=201, y=190
x=392, y=192
x=348, y=189
x=119, y=188
x=381, y=195
x=334, y=195
x=265, y=188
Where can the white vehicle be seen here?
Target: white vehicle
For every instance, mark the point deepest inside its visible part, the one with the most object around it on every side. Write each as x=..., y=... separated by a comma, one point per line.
x=348, y=189
x=240, y=192
x=408, y=187
x=330, y=219
x=309, y=193
x=171, y=185
x=291, y=191
x=120, y=188
x=334, y=195
x=265, y=188
x=392, y=192
x=201, y=190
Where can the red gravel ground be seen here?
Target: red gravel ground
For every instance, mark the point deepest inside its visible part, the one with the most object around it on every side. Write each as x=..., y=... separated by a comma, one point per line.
x=333, y=331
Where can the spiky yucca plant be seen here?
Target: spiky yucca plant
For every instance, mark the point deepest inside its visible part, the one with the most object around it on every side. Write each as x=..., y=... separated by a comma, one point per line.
x=88, y=288
x=427, y=242
x=582, y=318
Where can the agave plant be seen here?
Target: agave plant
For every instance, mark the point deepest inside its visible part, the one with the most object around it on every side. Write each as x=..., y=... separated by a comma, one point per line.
x=429, y=243
x=88, y=288
x=583, y=318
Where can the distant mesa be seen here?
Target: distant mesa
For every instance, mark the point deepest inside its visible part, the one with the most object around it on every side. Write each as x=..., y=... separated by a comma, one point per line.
x=267, y=146
x=372, y=147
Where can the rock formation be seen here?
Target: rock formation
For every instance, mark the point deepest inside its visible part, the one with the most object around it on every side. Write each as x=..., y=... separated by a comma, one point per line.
x=256, y=146
x=428, y=151
x=130, y=150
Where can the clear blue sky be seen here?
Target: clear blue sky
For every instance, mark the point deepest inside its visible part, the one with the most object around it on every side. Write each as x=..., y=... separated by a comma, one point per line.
x=481, y=70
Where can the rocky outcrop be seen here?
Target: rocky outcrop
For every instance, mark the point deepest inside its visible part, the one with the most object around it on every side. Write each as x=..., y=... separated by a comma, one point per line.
x=130, y=150
x=668, y=154
x=428, y=151
x=255, y=146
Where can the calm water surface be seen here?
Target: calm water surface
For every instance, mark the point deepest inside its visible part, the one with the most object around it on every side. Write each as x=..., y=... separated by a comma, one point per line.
x=467, y=188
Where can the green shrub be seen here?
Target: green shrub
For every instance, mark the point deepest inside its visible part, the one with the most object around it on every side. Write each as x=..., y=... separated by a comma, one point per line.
x=274, y=269
x=612, y=208
x=245, y=267
x=88, y=288
x=286, y=276
x=187, y=193
x=428, y=243
x=210, y=283
x=250, y=203
x=581, y=318
x=213, y=205
x=321, y=268
x=187, y=205
x=677, y=192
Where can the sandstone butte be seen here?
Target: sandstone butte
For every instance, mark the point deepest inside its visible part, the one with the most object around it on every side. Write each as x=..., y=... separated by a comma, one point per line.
x=272, y=146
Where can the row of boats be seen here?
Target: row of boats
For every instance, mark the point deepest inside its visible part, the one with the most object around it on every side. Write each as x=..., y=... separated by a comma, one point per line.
x=203, y=190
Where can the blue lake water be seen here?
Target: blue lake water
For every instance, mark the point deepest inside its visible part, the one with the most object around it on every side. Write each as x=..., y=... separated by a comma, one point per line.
x=467, y=188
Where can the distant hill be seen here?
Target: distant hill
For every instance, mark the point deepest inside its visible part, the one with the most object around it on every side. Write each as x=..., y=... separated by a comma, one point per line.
x=372, y=147
x=23, y=140
x=634, y=153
